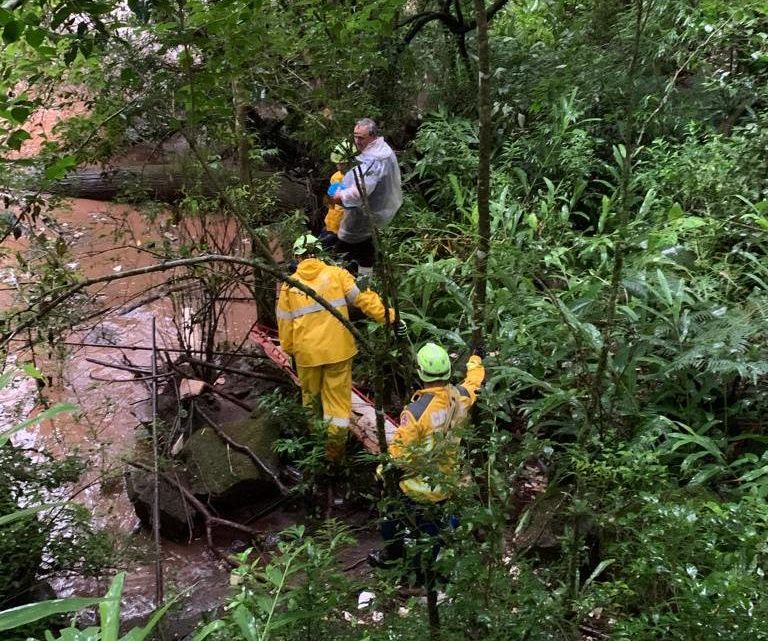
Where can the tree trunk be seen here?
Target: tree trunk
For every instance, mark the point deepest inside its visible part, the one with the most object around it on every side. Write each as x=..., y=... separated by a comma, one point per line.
x=483, y=172
x=160, y=182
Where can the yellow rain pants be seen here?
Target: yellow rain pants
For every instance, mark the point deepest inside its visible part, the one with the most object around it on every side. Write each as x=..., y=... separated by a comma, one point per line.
x=331, y=385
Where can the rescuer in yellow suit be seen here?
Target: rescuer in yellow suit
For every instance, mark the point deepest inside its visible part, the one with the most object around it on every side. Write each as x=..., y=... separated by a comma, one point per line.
x=321, y=345
x=340, y=156
x=425, y=446
x=425, y=449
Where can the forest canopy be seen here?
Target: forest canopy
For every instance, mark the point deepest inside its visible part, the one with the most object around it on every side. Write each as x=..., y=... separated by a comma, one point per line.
x=626, y=297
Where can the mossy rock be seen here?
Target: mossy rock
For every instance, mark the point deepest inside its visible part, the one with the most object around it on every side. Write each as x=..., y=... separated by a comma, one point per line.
x=215, y=469
x=178, y=518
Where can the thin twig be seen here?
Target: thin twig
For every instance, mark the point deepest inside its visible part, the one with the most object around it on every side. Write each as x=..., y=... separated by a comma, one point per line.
x=46, y=306
x=156, y=484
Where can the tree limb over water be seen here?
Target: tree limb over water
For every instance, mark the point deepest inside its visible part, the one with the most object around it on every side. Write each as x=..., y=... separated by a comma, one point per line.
x=44, y=305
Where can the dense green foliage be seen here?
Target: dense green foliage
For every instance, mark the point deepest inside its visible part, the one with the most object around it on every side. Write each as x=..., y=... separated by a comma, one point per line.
x=44, y=537
x=628, y=289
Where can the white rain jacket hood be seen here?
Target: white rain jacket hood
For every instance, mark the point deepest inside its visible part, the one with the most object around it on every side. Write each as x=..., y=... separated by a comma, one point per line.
x=379, y=171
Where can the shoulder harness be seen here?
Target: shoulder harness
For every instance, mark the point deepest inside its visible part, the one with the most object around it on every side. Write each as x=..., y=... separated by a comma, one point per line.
x=418, y=406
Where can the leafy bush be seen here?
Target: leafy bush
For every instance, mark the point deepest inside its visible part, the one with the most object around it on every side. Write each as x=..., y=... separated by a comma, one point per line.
x=32, y=548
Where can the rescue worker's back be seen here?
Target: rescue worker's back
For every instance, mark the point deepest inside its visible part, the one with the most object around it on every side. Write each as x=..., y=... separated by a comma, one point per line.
x=423, y=445
x=307, y=330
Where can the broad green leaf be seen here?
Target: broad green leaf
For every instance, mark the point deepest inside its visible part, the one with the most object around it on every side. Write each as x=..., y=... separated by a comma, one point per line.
x=650, y=197
x=754, y=474
x=619, y=154
x=675, y=212
x=522, y=177
x=605, y=212
x=16, y=139
x=274, y=575
x=689, y=222
x=25, y=614
x=629, y=313
x=597, y=571
x=76, y=634
x=59, y=168
x=142, y=632
x=109, y=609
x=20, y=114
x=12, y=31
x=18, y=515
x=246, y=623
x=697, y=439
x=264, y=602
x=213, y=626
x=32, y=371
x=286, y=618
x=664, y=287
x=689, y=460
x=706, y=474
x=34, y=37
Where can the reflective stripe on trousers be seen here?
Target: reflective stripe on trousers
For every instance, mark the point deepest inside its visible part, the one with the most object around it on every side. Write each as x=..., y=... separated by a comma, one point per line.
x=332, y=386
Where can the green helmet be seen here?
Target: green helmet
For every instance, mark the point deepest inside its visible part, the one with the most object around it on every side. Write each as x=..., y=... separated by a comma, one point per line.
x=434, y=363
x=305, y=243
x=342, y=152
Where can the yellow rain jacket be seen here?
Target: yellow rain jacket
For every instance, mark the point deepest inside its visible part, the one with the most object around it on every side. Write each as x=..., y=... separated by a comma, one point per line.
x=335, y=212
x=424, y=446
x=307, y=330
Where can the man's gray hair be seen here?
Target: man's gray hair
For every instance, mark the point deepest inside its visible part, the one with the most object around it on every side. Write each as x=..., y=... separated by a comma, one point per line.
x=370, y=125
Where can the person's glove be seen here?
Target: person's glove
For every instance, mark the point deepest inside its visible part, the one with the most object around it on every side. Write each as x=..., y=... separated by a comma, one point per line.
x=401, y=329
x=333, y=188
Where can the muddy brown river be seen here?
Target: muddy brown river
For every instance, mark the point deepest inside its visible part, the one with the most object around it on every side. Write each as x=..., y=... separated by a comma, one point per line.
x=106, y=238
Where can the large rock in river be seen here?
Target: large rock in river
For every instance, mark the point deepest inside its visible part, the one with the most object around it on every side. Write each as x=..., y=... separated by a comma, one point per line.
x=178, y=517
x=225, y=474
x=221, y=475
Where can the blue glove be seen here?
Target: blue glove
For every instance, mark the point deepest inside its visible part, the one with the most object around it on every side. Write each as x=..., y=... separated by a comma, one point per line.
x=333, y=188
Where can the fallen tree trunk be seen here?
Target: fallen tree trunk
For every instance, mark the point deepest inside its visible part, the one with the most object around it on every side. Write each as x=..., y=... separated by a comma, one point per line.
x=165, y=182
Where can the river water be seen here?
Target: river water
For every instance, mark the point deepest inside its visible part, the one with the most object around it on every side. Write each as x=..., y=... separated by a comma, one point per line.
x=105, y=238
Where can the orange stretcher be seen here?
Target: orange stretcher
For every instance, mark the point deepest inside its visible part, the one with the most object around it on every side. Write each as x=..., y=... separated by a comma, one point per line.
x=363, y=419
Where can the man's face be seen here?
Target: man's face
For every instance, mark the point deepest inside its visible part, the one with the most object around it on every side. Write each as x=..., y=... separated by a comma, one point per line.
x=362, y=137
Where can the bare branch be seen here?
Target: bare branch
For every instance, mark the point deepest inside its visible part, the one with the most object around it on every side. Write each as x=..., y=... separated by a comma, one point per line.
x=210, y=519
x=53, y=301
x=245, y=450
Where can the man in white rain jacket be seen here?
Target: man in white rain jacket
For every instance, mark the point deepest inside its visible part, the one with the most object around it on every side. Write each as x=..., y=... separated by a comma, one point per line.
x=376, y=169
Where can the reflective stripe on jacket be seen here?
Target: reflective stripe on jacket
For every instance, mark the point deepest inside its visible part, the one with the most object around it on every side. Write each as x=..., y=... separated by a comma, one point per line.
x=424, y=445
x=307, y=330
